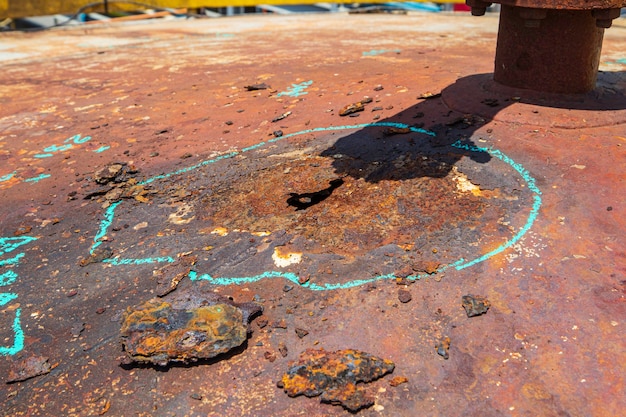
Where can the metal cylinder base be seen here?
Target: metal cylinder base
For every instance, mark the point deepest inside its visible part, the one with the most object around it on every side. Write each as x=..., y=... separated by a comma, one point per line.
x=548, y=50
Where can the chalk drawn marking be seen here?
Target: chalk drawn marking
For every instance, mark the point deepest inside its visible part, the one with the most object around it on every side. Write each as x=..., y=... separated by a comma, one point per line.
x=296, y=90
x=375, y=52
x=102, y=149
x=8, y=176
x=38, y=178
x=13, y=261
x=8, y=278
x=68, y=144
x=49, y=152
x=458, y=265
x=7, y=245
x=18, y=339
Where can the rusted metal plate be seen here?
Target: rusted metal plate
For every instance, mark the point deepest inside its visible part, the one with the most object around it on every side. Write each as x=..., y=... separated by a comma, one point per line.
x=428, y=190
x=565, y=4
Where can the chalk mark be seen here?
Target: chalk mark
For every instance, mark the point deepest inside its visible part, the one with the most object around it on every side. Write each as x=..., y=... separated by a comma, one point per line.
x=296, y=90
x=8, y=245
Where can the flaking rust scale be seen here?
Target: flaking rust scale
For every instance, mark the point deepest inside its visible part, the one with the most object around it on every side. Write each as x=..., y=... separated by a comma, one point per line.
x=184, y=328
x=335, y=376
x=355, y=107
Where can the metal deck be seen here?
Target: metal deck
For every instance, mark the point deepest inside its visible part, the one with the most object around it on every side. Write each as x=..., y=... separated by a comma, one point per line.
x=363, y=230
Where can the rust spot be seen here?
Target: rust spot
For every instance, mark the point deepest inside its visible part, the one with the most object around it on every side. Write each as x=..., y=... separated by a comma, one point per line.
x=334, y=376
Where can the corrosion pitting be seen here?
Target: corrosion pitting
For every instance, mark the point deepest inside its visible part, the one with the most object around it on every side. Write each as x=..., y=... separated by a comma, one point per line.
x=334, y=376
x=184, y=329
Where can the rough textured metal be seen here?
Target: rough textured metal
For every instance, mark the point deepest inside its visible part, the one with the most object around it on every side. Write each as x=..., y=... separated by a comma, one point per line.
x=169, y=98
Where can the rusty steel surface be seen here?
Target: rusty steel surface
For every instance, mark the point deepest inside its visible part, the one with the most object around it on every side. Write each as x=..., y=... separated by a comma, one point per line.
x=560, y=52
x=564, y=4
x=176, y=159
x=550, y=46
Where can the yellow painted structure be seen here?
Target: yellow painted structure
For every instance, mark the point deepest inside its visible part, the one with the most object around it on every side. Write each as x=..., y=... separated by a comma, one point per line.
x=21, y=8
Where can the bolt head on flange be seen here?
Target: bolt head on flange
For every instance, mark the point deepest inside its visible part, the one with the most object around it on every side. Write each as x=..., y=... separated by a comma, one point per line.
x=479, y=7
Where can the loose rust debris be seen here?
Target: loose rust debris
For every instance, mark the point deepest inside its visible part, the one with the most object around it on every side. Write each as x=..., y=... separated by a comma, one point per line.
x=443, y=346
x=118, y=182
x=355, y=107
x=184, y=329
x=429, y=267
x=404, y=296
x=398, y=380
x=115, y=172
x=334, y=376
x=256, y=87
x=429, y=95
x=29, y=368
x=282, y=349
x=98, y=255
x=391, y=131
x=281, y=117
x=22, y=230
x=280, y=324
x=491, y=102
x=170, y=275
x=301, y=332
x=475, y=305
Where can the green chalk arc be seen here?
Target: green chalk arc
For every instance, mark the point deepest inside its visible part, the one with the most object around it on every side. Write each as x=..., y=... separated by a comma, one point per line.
x=109, y=215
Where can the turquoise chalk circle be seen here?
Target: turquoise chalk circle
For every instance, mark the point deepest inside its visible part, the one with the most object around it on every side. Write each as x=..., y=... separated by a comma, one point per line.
x=18, y=339
x=38, y=178
x=8, y=176
x=460, y=264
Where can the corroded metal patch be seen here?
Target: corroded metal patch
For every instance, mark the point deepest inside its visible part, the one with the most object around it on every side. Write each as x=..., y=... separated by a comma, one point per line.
x=160, y=331
x=334, y=376
x=359, y=202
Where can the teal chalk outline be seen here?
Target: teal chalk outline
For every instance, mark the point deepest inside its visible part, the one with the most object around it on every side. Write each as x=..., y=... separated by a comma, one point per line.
x=7, y=176
x=38, y=178
x=7, y=245
x=102, y=149
x=8, y=278
x=296, y=90
x=18, y=340
x=460, y=264
x=375, y=52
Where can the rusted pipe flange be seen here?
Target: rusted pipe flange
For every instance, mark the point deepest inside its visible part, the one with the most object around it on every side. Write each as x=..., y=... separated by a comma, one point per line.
x=551, y=46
